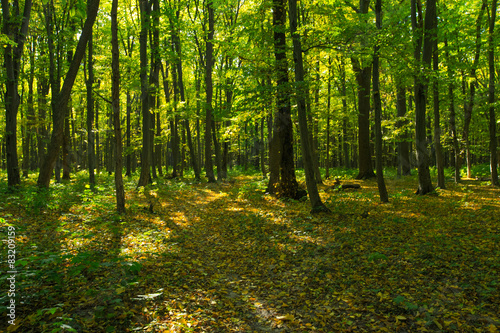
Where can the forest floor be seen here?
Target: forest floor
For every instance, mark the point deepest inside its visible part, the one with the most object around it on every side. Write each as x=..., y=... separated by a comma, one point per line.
x=227, y=257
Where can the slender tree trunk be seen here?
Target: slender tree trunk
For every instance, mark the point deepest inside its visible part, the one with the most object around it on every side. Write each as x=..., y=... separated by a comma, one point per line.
x=115, y=98
x=316, y=203
x=328, y=110
x=145, y=177
x=16, y=31
x=90, y=113
x=129, y=152
x=404, y=166
x=491, y=96
x=30, y=116
x=61, y=98
x=453, y=126
x=382, y=190
x=209, y=169
x=437, y=126
x=469, y=105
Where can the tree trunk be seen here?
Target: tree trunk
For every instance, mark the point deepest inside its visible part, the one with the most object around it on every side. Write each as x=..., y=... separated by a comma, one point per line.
x=491, y=96
x=316, y=203
x=421, y=83
x=437, y=126
x=145, y=177
x=282, y=184
x=469, y=106
x=382, y=190
x=328, y=110
x=209, y=169
x=16, y=31
x=115, y=98
x=363, y=78
x=90, y=113
x=61, y=98
x=453, y=126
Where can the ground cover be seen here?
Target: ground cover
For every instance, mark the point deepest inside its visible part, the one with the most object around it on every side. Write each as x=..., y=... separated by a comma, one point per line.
x=227, y=257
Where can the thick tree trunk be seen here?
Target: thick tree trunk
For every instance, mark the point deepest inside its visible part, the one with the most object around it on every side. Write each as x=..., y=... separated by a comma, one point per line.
x=282, y=184
x=491, y=96
x=60, y=102
x=16, y=31
x=316, y=203
x=382, y=190
x=115, y=99
x=421, y=83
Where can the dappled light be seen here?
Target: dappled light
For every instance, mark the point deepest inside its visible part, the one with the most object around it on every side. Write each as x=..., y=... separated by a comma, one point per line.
x=213, y=258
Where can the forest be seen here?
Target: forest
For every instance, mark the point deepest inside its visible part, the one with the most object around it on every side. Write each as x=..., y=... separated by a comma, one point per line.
x=249, y=166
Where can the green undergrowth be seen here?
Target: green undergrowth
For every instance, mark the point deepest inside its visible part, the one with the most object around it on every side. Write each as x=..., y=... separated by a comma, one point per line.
x=227, y=257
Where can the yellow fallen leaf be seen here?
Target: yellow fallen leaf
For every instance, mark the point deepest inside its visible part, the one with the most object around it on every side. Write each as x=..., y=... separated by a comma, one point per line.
x=400, y=318
x=285, y=317
x=120, y=290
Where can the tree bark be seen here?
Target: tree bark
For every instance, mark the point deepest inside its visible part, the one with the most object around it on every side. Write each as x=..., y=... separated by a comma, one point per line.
x=491, y=96
x=16, y=31
x=209, y=168
x=437, y=126
x=469, y=105
x=453, y=126
x=382, y=190
x=281, y=151
x=61, y=98
x=115, y=99
x=312, y=188
x=421, y=83
x=404, y=167
x=145, y=177
x=90, y=113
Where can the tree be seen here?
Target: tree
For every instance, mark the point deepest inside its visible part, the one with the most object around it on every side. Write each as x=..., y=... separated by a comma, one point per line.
x=492, y=125
x=306, y=142
x=115, y=99
x=61, y=97
x=363, y=72
x=145, y=176
x=282, y=179
x=423, y=56
x=16, y=28
x=209, y=55
x=384, y=197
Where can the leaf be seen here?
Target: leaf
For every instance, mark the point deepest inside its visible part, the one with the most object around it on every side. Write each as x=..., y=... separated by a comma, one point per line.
x=287, y=317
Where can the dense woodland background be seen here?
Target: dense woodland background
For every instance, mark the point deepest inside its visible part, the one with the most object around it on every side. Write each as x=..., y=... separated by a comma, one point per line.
x=206, y=85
